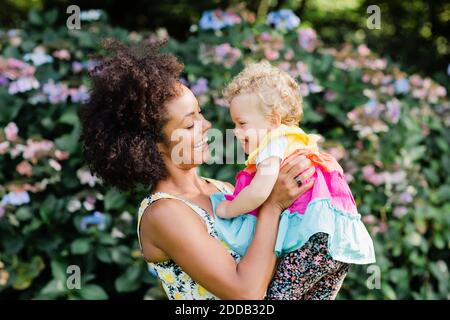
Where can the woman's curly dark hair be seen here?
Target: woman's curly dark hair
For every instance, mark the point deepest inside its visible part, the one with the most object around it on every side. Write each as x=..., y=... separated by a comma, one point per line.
x=122, y=121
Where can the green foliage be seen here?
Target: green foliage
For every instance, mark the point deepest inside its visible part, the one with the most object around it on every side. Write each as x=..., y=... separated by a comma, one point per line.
x=393, y=143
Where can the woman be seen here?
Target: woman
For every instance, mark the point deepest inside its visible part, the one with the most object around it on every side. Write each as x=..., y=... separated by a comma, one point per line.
x=137, y=105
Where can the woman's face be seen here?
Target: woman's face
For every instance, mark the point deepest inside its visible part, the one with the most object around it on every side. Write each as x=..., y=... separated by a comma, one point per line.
x=186, y=131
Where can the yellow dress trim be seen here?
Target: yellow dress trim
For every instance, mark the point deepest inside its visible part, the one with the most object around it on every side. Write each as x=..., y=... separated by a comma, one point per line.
x=297, y=138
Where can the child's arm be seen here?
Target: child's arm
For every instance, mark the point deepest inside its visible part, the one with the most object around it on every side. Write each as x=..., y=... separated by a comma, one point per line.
x=254, y=195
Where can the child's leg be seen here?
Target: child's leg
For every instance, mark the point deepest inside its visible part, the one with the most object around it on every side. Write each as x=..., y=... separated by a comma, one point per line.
x=300, y=270
x=328, y=287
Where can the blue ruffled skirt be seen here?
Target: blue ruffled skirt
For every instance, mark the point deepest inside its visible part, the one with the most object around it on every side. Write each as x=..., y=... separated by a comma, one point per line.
x=348, y=239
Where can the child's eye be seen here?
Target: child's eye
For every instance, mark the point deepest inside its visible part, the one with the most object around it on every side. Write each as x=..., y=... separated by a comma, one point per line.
x=190, y=127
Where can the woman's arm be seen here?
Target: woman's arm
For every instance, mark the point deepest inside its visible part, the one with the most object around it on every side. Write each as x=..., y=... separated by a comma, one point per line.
x=254, y=195
x=205, y=259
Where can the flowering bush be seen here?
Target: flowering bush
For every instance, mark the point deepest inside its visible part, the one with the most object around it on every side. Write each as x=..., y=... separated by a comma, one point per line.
x=389, y=130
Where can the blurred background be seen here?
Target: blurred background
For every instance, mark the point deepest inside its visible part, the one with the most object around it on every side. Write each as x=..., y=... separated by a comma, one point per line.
x=378, y=96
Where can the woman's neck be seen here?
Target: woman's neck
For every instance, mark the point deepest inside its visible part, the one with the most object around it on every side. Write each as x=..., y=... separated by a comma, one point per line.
x=181, y=181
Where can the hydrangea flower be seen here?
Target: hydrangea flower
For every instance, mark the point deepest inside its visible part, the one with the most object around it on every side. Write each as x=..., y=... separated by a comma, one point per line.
x=218, y=19
x=56, y=92
x=79, y=94
x=23, y=84
x=38, y=57
x=284, y=19
x=401, y=85
x=399, y=212
x=11, y=130
x=307, y=39
x=97, y=218
x=15, y=198
x=90, y=15
x=200, y=86
x=393, y=110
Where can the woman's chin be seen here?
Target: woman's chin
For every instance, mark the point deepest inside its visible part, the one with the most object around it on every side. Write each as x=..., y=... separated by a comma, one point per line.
x=202, y=155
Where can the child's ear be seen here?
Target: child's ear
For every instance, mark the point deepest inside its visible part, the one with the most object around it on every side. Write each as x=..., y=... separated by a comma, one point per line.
x=275, y=119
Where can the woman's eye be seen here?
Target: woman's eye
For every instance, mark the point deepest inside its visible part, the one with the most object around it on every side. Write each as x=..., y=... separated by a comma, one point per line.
x=190, y=127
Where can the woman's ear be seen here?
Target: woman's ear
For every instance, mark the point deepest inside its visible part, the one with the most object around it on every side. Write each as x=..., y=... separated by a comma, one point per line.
x=275, y=119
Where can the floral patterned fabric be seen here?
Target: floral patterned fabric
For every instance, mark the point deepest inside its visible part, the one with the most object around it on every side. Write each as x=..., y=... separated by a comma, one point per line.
x=176, y=283
x=309, y=273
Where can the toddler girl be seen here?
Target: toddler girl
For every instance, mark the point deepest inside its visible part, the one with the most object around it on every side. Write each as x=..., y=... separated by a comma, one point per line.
x=321, y=233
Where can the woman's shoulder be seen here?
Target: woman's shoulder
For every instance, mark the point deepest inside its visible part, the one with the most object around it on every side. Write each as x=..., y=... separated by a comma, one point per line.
x=162, y=209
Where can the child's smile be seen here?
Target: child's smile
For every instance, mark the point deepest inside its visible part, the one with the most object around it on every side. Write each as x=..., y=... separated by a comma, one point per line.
x=250, y=121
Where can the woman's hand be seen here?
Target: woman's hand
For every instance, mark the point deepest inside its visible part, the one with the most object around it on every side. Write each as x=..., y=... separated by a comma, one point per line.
x=286, y=189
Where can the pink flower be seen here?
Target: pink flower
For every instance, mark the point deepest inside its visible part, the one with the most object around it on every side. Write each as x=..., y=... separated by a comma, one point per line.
x=61, y=155
x=330, y=95
x=36, y=149
x=371, y=176
x=307, y=39
x=221, y=102
x=62, y=54
x=415, y=80
x=369, y=219
x=265, y=36
x=24, y=168
x=271, y=54
x=54, y=164
x=363, y=50
x=399, y=212
x=440, y=91
x=289, y=55
x=11, y=131
x=4, y=147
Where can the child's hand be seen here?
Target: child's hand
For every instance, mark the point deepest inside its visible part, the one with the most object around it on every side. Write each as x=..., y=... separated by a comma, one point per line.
x=221, y=210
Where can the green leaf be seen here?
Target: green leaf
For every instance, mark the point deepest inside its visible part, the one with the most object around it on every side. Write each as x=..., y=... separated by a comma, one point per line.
x=53, y=289
x=23, y=213
x=69, y=142
x=58, y=270
x=128, y=281
x=114, y=199
x=80, y=246
x=92, y=292
x=34, y=17
x=103, y=254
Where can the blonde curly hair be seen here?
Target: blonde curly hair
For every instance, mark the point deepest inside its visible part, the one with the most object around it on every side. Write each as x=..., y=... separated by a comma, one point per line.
x=276, y=90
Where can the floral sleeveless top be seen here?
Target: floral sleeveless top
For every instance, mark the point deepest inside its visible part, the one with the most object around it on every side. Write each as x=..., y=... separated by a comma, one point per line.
x=176, y=283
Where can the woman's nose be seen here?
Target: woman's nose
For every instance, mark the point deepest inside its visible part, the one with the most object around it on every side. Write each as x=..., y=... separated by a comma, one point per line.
x=206, y=125
x=237, y=132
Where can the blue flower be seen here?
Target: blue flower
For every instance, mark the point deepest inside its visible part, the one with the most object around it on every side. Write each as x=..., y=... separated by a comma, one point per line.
x=401, y=86
x=218, y=19
x=16, y=198
x=90, y=15
x=38, y=57
x=284, y=19
x=97, y=218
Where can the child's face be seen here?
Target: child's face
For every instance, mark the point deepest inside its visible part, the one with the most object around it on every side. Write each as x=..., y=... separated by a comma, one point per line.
x=250, y=122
